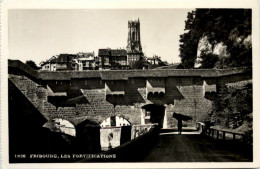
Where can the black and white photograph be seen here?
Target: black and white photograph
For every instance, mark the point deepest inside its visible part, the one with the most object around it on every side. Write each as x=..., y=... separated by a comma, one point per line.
x=160, y=85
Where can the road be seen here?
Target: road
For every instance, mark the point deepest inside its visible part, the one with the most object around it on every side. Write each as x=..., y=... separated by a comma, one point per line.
x=191, y=147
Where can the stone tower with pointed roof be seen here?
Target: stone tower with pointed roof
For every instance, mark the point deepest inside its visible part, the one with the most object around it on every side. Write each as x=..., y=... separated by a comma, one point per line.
x=134, y=48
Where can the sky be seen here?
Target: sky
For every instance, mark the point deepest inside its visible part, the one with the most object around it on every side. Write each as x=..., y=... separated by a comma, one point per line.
x=39, y=34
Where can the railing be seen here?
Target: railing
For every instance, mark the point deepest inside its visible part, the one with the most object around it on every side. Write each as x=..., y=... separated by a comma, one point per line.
x=222, y=134
x=200, y=126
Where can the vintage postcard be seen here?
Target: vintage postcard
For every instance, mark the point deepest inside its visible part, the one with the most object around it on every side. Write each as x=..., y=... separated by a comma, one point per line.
x=120, y=84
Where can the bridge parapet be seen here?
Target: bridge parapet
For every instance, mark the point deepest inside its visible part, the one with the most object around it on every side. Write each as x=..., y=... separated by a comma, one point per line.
x=125, y=74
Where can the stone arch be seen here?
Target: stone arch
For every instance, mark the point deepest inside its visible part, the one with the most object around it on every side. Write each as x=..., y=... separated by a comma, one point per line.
x=150, y=96
x=153, y=113
x=115, y=121
x=60, y=125
x=156, y=95
x=87, y=122
x=88, y=136
x=115, y=130
x=161, y=95
x=60, y=136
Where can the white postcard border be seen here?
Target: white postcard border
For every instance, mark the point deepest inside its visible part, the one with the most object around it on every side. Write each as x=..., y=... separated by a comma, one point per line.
x=116, y=4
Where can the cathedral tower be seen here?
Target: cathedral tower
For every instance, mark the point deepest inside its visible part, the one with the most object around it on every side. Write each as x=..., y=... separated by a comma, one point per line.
x=134, y=41
x=134, y=48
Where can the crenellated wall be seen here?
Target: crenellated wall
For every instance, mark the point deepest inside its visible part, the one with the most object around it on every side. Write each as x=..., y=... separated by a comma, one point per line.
x=97, y=95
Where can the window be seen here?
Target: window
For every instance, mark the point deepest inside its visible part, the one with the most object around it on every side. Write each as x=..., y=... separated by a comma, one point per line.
x=147, y=115
x=123, y=62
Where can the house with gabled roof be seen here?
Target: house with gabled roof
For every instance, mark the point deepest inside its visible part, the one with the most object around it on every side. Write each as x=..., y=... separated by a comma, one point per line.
x=80, y=61
x=113, y=59
x=84, y=61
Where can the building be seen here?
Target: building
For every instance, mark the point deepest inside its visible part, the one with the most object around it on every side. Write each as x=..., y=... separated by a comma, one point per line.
x=80, y=61
x=84, y=61
x=49, y=65
x=57, y=63
x=155, y=61
x=134, y=48
x=112, y=59
x=104, y=55
x=118, y=59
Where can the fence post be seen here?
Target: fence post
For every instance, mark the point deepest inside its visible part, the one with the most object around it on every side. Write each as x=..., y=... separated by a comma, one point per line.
x=224, y=135
x=217, y=134
x=234, y=136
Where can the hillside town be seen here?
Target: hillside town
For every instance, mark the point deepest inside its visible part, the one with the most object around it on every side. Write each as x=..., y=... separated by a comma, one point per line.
x=107, y=59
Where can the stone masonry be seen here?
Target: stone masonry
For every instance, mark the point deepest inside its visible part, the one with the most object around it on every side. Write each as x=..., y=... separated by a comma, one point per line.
x=97, y=95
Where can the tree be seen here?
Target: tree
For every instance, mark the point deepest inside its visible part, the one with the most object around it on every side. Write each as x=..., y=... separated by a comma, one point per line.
x=230, y=27
x=188, y=50
x=32, y=64
x=208, y=60
x=189, y=42
x=139, y=64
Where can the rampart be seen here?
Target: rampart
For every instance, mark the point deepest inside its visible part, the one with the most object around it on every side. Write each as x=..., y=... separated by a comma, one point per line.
x=93, y=96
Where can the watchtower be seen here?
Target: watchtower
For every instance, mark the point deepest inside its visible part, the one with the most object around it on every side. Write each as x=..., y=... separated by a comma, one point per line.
x=134, y=48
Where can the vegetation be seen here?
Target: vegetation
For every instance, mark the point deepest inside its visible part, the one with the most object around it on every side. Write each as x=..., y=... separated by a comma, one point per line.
x=32, y=64
x=229, y=27
x=139, y=64
x=208, y=59
x=233, y=109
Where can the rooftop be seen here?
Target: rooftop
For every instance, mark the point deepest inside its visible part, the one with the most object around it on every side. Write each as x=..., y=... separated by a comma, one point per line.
x=118, y=52
x=113, y=52
x=122, y=74
x=86, y=55
x=103, y=52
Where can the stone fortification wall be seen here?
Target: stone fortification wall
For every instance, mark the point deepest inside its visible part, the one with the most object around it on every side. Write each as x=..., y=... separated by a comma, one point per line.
x=97, y=95
x=182, y=95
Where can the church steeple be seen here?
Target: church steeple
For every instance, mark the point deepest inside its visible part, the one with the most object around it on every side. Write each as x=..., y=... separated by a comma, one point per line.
x=134, y=48
x=134, y=40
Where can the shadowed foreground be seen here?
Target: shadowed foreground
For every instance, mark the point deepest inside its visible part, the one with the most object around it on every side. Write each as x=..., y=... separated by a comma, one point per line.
x=197, y=148
x=169, y=147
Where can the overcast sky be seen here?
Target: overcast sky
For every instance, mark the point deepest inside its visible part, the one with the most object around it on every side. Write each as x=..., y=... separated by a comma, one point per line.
x=40, y=34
